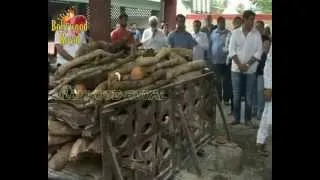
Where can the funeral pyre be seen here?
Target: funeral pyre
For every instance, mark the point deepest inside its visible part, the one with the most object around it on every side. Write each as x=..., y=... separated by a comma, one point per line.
x=98, y=71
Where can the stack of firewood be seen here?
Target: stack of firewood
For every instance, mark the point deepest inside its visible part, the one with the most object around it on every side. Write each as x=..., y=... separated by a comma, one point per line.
x=100, y=67
x=66, y=143
x=95, y=70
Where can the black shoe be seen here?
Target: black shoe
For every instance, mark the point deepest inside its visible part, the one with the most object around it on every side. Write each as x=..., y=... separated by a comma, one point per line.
x=234, y=123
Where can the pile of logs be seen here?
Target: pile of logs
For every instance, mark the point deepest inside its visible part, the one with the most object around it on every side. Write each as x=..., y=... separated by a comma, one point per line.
x=99, y=67
x=66, y=143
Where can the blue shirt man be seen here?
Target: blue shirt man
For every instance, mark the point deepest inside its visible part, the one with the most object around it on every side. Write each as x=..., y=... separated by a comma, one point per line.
x=218, y=57
x=180, y=38
x=135, y=32
x=217, y=44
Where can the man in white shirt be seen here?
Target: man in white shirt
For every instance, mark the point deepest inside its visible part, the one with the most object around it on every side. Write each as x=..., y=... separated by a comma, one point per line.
x=153, y=37
x=67, y=41
x=236, y=22
x=266, y=120
x=202, y=39
x=245, y=50
x=67, y=52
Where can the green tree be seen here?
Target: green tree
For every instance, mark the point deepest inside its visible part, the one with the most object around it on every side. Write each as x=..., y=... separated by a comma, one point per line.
x=264, y=6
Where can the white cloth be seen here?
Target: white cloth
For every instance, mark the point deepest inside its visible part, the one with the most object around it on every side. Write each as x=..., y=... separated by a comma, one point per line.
x=69, y=48
x=245, y=48
x=226, y=47
x=265, y=123
x=157, y=42
x=203, y=44
x=268, y=71
x=266, y=120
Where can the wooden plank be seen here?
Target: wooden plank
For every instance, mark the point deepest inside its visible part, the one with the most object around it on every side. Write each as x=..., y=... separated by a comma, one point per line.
x=191, y=143
x=109, y=160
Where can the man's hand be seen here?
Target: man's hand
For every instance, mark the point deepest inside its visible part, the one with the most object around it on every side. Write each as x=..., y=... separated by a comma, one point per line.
x=243, y=67
x=268, y=94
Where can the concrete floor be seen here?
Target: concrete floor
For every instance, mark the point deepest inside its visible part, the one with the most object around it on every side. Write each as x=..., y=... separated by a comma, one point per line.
x=245, y=137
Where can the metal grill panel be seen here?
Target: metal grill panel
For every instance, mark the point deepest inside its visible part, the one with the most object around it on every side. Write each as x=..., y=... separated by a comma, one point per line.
x=136, y=15
x=115, y=13
x=138, y=12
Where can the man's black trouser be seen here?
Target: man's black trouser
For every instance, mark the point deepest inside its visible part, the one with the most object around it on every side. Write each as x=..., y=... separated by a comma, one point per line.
x=223, y=74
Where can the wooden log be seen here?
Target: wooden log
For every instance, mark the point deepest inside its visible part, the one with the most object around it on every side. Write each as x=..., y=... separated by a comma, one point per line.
x=57, y=128
x=49, y=156
x=60, y=159
x=53, y=149
x=98, y=90
x=91, y=131
x=163, y=53
x=188, y=75
x=146, y=52
x=95, y=63
x=111, y=58
x=94, y=45
x=78, y=61
x=131, y=85
x=57, y=140
x=174, y=60
x=186, y=53
x=87, y=48
x=94, y=71
x=95, y=145
x=80, y=146
x=184, y=68
x=156, y=84
x=147, y=61
x=87, y=73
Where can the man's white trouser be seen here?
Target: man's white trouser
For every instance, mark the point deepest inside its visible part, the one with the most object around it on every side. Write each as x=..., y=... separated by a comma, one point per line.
x=265, y=123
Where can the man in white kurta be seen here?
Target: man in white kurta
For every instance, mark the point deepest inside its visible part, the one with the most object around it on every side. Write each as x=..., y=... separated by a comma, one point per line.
x=202, y=39
x=266, y=120
x=153, y=37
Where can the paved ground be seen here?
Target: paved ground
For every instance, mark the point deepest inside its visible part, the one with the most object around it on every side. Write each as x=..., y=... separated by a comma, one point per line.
x=253, y=164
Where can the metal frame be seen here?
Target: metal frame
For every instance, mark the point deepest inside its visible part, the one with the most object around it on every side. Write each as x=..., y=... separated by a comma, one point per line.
x=113, y=164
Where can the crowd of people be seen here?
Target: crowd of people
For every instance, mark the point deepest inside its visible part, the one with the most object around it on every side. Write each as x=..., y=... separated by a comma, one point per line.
x=241, y=59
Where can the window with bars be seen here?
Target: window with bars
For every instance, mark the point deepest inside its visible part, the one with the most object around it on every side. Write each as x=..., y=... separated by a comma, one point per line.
x=135, y=14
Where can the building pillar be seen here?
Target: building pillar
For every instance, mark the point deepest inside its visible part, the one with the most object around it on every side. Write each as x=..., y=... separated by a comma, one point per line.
x=99, y=21
x=161, y=16
x=170, y=12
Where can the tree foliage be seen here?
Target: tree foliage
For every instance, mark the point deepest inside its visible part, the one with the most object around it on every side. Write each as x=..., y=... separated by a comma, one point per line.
x=264, y=6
